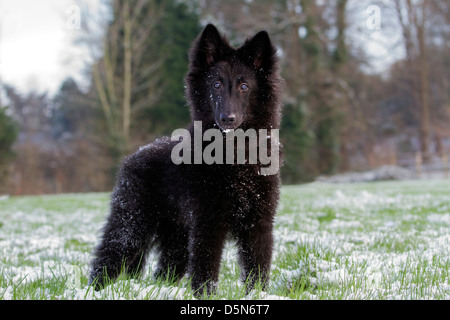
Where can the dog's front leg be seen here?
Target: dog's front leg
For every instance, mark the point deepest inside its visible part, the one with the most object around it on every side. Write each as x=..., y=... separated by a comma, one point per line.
x=206, y=243
x=255, y=253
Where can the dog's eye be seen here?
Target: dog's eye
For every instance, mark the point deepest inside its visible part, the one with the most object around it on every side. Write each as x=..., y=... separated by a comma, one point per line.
x=217, y=85
x=244, y=87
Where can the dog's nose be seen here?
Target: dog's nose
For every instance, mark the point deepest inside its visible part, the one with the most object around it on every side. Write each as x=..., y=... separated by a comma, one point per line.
x=227, y=118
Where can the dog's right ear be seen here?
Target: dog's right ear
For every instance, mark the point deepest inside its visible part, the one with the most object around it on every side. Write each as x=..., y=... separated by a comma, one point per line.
x=209, y=47
x=259, y=51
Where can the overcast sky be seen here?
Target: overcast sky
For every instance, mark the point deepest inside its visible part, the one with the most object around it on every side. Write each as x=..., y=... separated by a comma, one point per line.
x=36, y=50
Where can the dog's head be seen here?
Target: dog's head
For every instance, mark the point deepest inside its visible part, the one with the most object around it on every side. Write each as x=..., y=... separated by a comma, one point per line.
x=229, y=86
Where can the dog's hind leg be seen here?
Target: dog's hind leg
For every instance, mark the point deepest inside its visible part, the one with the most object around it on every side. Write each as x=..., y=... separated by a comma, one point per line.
x=128, y=232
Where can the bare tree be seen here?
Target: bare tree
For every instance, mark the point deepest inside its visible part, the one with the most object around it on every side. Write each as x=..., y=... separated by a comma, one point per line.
x=413, y=18
x=123, y=72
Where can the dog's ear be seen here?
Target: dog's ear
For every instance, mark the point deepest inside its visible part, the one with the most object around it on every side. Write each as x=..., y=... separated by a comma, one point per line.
x=259, y=51
x=209, y=48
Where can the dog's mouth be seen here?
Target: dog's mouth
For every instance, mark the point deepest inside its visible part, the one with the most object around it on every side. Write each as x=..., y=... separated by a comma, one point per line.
x=227, y=121
x=226, y=129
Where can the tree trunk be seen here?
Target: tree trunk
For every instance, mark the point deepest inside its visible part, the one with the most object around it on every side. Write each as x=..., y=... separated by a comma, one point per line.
x=128, y=56
x=424, y=86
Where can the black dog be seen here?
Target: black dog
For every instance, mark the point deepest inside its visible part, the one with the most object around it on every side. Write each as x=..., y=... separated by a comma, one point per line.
x=187, y=211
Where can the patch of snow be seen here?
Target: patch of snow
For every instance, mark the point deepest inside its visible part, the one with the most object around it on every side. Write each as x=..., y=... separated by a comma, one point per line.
x=40, y=244
x=137, y=290
x=266, y=296
x=439, y=218
x=379, y=174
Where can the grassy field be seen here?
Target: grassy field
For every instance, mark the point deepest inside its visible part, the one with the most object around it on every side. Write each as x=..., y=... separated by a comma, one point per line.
x=383, y=240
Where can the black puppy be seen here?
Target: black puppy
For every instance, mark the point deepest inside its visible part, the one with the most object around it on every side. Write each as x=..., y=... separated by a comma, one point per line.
x=187, y=211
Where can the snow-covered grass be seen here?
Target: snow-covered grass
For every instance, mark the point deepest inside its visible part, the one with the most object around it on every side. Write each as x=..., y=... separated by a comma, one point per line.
x=382, y=240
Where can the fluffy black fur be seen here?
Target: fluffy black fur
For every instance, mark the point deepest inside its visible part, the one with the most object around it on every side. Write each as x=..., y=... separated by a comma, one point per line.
x=186, y=212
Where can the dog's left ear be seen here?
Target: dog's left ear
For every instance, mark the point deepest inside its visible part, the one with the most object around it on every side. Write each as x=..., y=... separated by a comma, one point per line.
x=209, y=47
x=259, y=51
